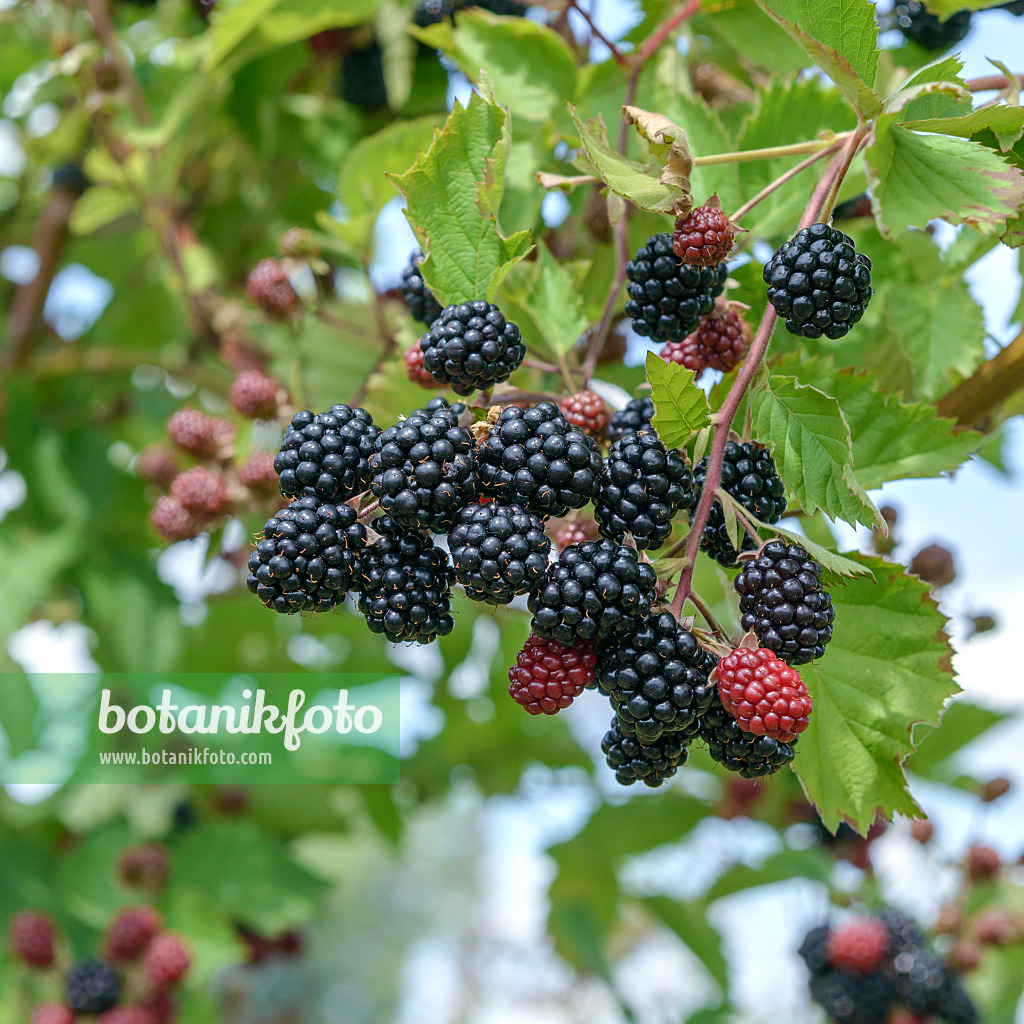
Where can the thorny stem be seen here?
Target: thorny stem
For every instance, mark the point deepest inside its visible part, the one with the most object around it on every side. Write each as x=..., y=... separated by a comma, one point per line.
x=988, y=83
x=723, y=420
x=665, y=29
x=833, y=193
x=99, y=13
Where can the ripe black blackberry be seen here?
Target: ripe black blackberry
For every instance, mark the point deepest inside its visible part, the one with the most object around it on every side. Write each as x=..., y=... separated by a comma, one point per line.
x=850, y=1000
x=91, y=986
x=642, y=487
x=535, y=458
x=783, y=601
x=326, y=455
x=929, y=31
x=418, y=297
x=656, y=677
x=405, y=585
x=430, y=12
x=498, y=551
x=814, y=949
x=667, y=298
x=749, y=475
x=818, y=282
x=362, y=77
x=472, y=346
x=424, y=468
x=651, y=763
x=593, y=591
x=636, y=416
x=307, y=558
x=752, y=756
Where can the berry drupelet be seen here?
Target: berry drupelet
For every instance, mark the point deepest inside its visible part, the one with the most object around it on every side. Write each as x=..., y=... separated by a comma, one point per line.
x=471, y=346
x=535, y=458
x=642, y=487
x=326, y=455
x=498, y=551
x=818, y=282
x=415, y=370
x=667, y=298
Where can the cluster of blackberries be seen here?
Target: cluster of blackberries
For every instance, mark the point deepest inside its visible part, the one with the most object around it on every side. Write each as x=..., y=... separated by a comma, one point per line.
x=138, y=956
x=861, y=971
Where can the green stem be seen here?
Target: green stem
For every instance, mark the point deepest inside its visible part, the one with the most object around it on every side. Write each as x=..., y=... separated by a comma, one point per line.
x=771, y=152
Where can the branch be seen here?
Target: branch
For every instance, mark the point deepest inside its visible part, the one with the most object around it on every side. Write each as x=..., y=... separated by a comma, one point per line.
x=620, y=58
x=104, y=29
x=665, y=29
x=988, y=387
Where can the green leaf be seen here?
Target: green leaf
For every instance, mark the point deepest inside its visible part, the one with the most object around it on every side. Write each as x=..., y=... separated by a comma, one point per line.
x=915, y=178
x=961, y=724
x=453, y=192
x=682, y=407
x=841, y=38
x=927, y=92
x=886, y=669
x=690, y=922
x=641, y=185
x=707, y=135
x=814, y=864
x=1006, y=123
x=555, y=304
x=100, y=206
x=891, y=439
x=835, y=566
x=812, y=449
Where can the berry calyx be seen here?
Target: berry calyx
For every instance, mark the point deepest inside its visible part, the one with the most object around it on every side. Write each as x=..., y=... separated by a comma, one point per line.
x=548, y=675
x=167, y=961
x=92, y=986
x=858, y=947
x=718, y=343
x=704, y=236
x=269, y=286
x=418, y=297
x=254, y=394
x=586, y=410
x=763, y=694
x=32, y=938
x=415, y=369
x=130, y=931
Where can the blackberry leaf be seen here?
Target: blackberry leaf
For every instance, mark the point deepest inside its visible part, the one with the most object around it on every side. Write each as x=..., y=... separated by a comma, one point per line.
x=682, y=407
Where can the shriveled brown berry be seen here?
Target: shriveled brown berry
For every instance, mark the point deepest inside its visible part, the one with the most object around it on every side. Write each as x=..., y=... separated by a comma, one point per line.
x=201, y=491
x=257, y=473
x=704, y=236
x=268, y=285
x=254, y=394
x=982, y=862
x=417, y=372
x=172, y=520
x=587, y=411
x=718, y=343
x=157, y=465
x=144, y=867
x=994, y=789
x=613, y=349
x=194, y=432
x=935, y=565
x=922, y=830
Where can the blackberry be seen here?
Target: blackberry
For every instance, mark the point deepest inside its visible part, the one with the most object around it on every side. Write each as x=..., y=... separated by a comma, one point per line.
x=202, y=492
x=548, y=676
x=752, y=756
x=194, y=432
x=704, y=236
x=749, y=475
x=594, y=590
x=362, y=77
x=849, y=1000
x=763, y=694
x=405, y=585
x=472, y=346
x=903, y=932
x=814, y=949
x=935, y=565
x=72, y=178
x=145, y=867
x=498, y=551
x=268, y=285
x=53, y=1013
x=430, y=12
x=32, y=938
x=651, y=763
x=818, y=282
x=534, y=457
x=982, y=862
x=167, y=961
x=172, y=520
x=130, y=932
x=91, y=986
x=783, y=601
x=718, y=343
x=635, y=417
x=418, y=297
x=577, y=531
x=254, y=394
x=157, y=465
x=929, y=31
x=859, y=946
x=424, y=468
x=656, y=677
x=257, y=473
x=919, y=980
x=307, y=558
x=953, y=1003
x=667, y=298
x=642, y=487
x=326, y=455
x=586, y=410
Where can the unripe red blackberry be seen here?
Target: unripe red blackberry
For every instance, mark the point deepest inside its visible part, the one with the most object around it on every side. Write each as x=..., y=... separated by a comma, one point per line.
x=656, y=677
x=172, y=521
x=269, y=286
x=258, y=473
x=783, y=601
x=576, y=531
x=32, y=938
x=587, y=411
x=591, y=592
x=935, y=565
x=418, y=297
x=167, y=961
x=130, y=931
x=634, y=418
x=642, y=487
x=145, y=867
x=194, y=432
x=982, y=862
x=651, y=763
x=53, y=1013
x=718, y=343
x=498, y=551
x=744, y=752
x=126, y=1015
x=859, y=946
x=162, y=1007
x=156, y=465
x=535, y=458
x=998, y=927
x=415, y=370
x=704, y=236
x=254, y=394
x=763, y=694
x=202, y=492
x=547, y=675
